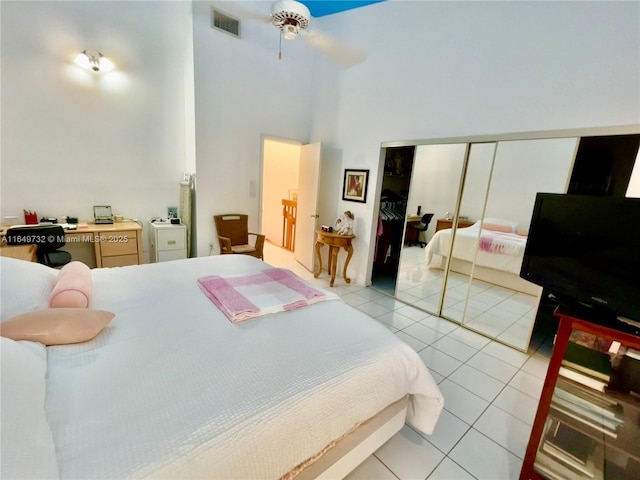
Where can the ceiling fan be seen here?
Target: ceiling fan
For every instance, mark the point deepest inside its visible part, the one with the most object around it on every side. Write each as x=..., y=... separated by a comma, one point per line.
x=292, y=18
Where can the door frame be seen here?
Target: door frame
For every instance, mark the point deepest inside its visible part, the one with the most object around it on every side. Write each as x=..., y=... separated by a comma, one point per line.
x=310, y=154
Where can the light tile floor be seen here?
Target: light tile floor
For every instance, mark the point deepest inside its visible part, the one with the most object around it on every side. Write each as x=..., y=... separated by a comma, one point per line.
x=491, y=393
x=493, y=310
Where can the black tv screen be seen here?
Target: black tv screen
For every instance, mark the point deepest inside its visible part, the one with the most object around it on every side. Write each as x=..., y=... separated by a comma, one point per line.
x=586, y=251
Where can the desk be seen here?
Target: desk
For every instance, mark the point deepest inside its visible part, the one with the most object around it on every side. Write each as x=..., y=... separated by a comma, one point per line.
x=21, y=252
x=334, y=241
x=448, y=223
x=114, y=245
x=411, y=235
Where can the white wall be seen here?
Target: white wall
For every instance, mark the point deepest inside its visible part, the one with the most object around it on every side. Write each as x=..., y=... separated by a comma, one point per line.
x=435, y=69
x=523, y=168
x=446, y=69
x=507, y=186
x=72, y=139
x=280, y=174
x=243, y=92
x=435, y=181
x=477, y=180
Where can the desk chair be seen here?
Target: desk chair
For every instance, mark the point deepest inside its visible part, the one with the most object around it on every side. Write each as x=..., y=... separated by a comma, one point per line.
x=421, y=227
x=48, y=238
x=233, y=235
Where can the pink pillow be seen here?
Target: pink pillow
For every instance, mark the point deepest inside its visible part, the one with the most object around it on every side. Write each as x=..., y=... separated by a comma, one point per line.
x=496, y=227
x=56, y=326
x=73, y=287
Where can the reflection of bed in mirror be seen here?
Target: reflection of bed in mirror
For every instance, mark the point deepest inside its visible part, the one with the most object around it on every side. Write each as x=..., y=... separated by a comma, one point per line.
x=497, y=256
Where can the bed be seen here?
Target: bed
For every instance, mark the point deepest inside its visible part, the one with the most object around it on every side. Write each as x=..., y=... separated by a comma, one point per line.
x=172, y=389
x=494, y=254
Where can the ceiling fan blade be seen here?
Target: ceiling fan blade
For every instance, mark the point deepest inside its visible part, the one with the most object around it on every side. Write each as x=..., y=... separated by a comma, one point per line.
x=336, y=51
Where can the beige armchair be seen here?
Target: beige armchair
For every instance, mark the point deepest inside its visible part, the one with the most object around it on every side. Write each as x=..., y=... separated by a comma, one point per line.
x=233, y=235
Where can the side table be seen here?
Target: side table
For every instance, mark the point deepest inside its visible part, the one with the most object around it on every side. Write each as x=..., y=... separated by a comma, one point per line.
x=334, y=241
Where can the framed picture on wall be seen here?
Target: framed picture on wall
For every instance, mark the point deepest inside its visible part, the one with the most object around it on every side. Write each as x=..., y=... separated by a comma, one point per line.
x=354, y=188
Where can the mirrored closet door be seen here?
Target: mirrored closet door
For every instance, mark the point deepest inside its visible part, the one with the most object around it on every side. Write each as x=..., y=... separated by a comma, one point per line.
x=434, y=189
x=499, y=303
x=481, y=195
x=481, y=192
x=458, y=260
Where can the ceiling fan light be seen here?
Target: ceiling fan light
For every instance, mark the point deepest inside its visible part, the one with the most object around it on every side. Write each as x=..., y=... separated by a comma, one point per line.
x=289, y=32
x=94, y=60
x=106, y=65
x=83, y=61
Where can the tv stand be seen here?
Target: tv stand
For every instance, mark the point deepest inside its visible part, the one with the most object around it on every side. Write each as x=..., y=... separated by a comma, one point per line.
x=586, y=426
x=598, y=314
x=628, y=321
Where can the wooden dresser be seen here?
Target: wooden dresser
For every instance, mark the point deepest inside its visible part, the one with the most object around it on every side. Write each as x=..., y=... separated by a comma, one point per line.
x=443, y=223
x=117, y=244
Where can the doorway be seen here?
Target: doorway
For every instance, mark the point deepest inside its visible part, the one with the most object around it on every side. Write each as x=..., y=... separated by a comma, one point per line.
x=390, y=235
x=289, y=200
x=280, y=172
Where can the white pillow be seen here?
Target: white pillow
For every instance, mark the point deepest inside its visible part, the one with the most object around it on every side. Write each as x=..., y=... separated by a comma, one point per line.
x=501, y=221
x=24, y=286
x=28, y=451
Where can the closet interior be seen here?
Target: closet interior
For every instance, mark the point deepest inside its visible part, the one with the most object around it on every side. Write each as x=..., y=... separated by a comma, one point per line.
x=398, y=165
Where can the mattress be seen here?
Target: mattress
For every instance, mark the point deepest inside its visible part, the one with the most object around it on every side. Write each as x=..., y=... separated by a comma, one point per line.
x=173, y=389
x=466, y=248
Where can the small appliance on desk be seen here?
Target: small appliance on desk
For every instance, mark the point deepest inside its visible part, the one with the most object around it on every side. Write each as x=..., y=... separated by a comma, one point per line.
x=102, y=214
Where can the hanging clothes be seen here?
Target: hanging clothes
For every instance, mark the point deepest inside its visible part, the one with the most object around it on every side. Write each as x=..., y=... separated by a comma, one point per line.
x=390, y=231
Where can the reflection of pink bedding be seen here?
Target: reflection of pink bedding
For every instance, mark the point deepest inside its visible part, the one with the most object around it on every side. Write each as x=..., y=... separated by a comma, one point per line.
x=502, y=243
x=468, y=247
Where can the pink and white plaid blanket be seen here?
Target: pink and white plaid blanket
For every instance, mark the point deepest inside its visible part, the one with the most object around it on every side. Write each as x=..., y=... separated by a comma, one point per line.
x=245, y=297
x=503, y=243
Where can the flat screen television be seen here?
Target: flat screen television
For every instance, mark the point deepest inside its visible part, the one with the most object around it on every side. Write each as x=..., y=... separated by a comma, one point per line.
x=586, y=251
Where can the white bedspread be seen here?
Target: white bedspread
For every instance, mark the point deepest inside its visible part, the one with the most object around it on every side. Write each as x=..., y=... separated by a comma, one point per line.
x=172, y=389
x=466, y=248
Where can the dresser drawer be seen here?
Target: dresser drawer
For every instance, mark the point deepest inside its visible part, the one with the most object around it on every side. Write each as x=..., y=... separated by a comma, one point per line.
x=120, y=260
x=167, y=255
x=171, y=239
x=118, y=243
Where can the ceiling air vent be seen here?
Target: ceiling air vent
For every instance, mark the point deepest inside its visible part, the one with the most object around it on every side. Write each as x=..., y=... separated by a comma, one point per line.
x=222, y=21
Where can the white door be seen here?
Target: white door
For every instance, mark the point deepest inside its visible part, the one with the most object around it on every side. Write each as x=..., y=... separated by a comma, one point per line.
x=307, y=217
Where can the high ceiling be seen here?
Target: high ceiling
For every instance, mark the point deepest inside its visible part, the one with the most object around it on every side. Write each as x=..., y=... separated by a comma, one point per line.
x=327, y=7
